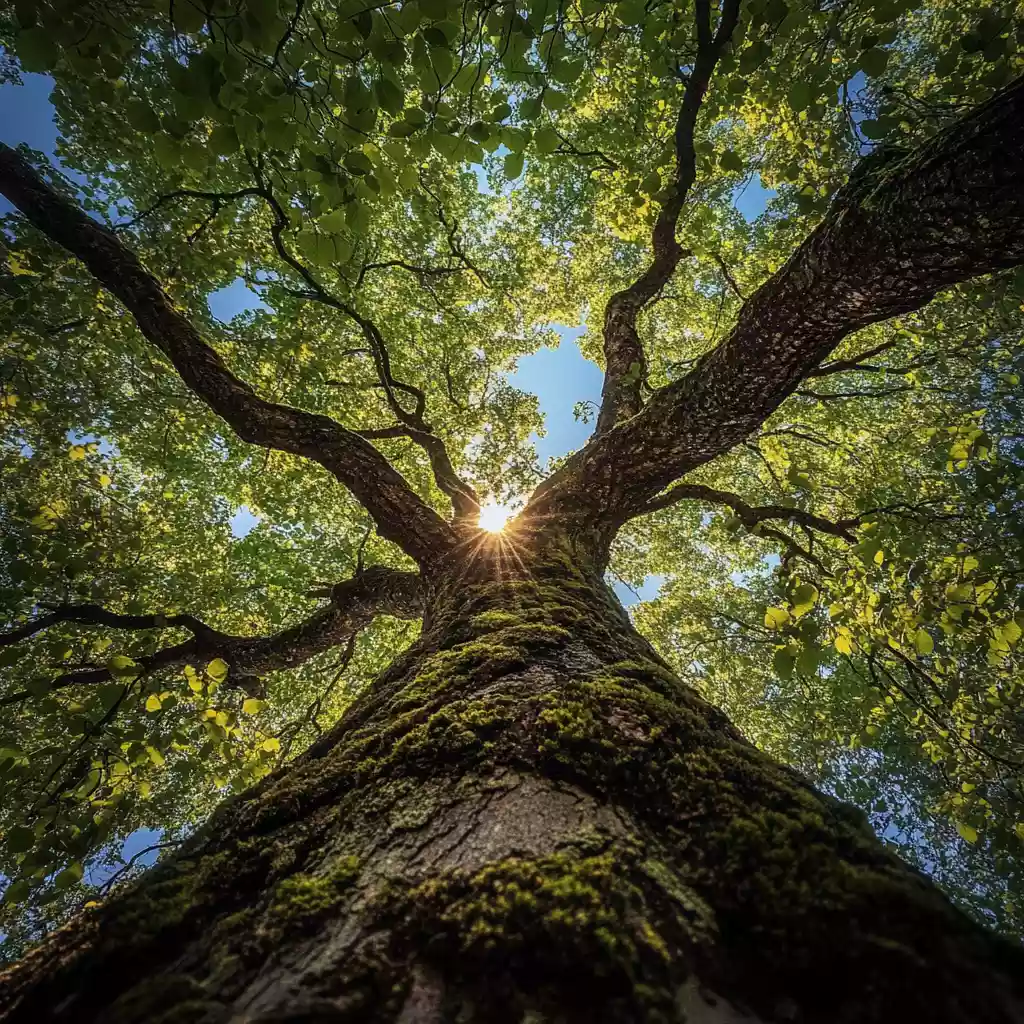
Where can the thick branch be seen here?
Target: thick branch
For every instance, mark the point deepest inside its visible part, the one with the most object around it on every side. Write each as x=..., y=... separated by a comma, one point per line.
x=400, y=514
x=353, y=606
x=625, y=362
x=901, y=230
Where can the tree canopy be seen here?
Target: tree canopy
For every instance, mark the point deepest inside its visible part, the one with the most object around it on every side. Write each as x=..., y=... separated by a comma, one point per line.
x=418, y=191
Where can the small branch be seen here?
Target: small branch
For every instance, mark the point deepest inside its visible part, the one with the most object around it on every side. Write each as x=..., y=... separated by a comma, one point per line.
x=835, y=396
x=94, y=615
x=420, y=272
x=856, y=362
x=727, y=274
x=751, y=515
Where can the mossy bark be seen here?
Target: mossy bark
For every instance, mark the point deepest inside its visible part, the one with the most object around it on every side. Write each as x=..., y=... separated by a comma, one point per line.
x=529, y=817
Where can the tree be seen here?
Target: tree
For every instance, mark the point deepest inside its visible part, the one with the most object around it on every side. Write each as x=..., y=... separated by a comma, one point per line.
x=529, y=813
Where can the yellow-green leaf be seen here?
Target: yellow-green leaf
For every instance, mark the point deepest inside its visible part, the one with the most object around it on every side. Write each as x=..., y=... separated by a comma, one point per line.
x=217, y=669
x=923, y=642
x=967, y=832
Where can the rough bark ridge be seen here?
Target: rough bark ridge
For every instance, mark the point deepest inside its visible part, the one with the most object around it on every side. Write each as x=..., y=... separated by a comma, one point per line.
x=529, y=817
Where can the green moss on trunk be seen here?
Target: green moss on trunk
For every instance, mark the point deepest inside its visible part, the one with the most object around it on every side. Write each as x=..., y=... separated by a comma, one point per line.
x=530, y=814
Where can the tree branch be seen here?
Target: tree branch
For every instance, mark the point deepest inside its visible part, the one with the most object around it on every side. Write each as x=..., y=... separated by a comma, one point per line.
x=625, y=362
x=857, y=362
x=354, y=604
x=901, y=230
x=751, y=515
x=400, y=514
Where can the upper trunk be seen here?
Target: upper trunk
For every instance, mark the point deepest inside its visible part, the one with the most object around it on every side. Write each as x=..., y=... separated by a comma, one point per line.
x=528, y=817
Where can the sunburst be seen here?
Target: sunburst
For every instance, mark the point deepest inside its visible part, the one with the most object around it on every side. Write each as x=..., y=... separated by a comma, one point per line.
x=494, y=516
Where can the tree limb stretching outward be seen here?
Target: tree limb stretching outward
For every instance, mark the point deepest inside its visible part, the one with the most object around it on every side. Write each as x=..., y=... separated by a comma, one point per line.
x=354, y=604
x=400, y=514
x=902, y=229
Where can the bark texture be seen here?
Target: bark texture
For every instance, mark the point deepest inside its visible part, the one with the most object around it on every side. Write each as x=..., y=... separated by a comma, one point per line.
x=527, y=818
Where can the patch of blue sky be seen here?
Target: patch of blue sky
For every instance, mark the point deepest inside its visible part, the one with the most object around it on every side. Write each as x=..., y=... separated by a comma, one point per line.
x=560, y=377
x=104, y=446
x=751, y=198
x=236, y=298
x=27, y=117
x=243, y=521
x=647, y=591
x=138, y=845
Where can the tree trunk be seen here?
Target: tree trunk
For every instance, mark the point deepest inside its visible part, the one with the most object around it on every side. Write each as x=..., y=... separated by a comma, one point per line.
x=529, y=817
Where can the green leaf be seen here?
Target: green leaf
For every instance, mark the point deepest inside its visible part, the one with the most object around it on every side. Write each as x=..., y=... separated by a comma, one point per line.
x=783, y=662
x=513, y=165
x=874, y=61
x=252, y=706
x=468, y=78
x=730, y=161
x=776, y=618
x=17, y=892
x=224, y=140
x=217, y=669
x=142, y=117
x=554, y=100
x=153, y=703
x=36, y=48
x=803, y=599
x=188, y=16
x=357, y=162
x=20, y=839
x=546, y=140
x=923, y=642
x=70, y=876
x=967, y=832
x=801, y=95
x=123, y=667
x=389, y=95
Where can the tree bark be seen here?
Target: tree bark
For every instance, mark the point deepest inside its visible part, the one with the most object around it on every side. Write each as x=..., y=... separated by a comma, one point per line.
x=528, y=817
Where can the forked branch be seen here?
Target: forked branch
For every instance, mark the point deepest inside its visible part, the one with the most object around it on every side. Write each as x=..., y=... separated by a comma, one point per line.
x=751, y=515
x=400, y=514
x=902, y=229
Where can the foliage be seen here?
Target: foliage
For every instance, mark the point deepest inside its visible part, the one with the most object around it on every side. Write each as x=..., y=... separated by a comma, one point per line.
x=468, y=173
